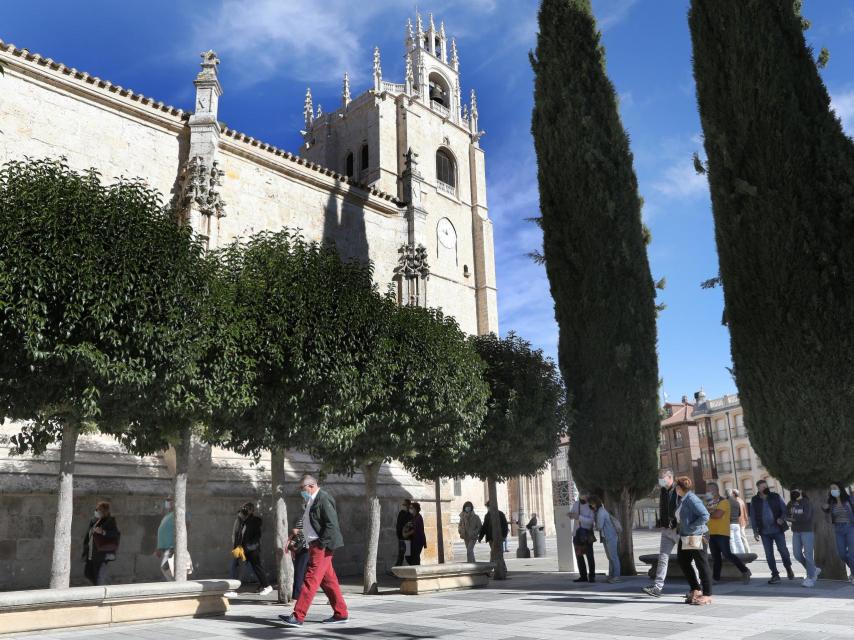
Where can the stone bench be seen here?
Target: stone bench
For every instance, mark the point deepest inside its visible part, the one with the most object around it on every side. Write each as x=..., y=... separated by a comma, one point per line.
x=40, y=609
x=728, y=570
x=427, y=578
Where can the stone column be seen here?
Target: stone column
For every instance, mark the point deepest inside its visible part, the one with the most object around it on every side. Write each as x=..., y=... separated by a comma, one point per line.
x=564, y=495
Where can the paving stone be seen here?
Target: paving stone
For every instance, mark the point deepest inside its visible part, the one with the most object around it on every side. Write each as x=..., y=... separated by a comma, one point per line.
x=635, y=628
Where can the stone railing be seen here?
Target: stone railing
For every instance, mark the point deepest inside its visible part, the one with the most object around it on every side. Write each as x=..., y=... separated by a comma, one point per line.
x=440, y=109
x=720, y=436
x=393, y=87
x=41, y=609
x=724, y=467
x=743, y=465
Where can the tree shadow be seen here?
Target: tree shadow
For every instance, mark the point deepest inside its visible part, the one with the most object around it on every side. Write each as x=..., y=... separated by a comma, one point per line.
x=344, y=225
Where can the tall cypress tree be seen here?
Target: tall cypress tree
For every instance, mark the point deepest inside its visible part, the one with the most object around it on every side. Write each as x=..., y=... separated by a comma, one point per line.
x=595, y=257
x=781, y=172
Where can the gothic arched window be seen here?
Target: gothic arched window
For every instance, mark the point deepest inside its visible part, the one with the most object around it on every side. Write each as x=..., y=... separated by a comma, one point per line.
x=366, y=157
x=445, y=169
x=349, y=165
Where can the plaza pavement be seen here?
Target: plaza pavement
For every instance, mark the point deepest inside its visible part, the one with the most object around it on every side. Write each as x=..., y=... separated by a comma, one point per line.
x=536, y=602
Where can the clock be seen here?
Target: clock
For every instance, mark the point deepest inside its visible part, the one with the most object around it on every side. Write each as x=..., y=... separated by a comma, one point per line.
x=447, y=234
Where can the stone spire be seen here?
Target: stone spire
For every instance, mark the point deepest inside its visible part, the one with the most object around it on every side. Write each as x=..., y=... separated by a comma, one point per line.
x=319, y=111
x=474, y=113
x=308, y=109
x=432, y=24
x=345, y=95
x=443, y=43
x=410, y=35
x=410, y=78
x=378, y=72
x=455, y=60
x=419, y=42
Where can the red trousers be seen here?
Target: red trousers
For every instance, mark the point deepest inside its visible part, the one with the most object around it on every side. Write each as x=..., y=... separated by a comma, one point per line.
x=320, y=573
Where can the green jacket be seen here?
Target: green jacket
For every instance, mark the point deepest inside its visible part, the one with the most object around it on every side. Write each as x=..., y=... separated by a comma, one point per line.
x=324, y=520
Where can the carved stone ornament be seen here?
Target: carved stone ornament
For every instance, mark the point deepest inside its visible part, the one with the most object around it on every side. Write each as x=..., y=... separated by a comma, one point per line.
x=199, y=187
x=412, y=262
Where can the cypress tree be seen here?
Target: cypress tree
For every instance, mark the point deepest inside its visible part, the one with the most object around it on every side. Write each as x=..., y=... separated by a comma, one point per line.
x=781, y=173
x=595, y=258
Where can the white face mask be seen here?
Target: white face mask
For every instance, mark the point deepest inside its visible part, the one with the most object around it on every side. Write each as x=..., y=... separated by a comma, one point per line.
x=834, y=493
x=662, y=482
x=97, y=514
x=167, y=505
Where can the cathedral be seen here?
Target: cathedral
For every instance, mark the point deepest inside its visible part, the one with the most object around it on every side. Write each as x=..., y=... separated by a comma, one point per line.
x=395, y=175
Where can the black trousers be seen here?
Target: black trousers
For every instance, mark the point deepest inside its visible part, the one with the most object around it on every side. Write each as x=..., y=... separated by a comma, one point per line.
x=719, y=548
x=254, y=559
x=415, y=558
x=96, y=571
x=585, y=569
x=701, y=561
x=300, y=566
x=401, y=552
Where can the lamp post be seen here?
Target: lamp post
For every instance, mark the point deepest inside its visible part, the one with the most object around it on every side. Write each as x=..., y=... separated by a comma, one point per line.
x=732, y=450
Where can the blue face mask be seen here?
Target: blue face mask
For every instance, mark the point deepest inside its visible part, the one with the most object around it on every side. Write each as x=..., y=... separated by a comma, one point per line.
x=305, y=495
x=834, y=493
x=467, y=509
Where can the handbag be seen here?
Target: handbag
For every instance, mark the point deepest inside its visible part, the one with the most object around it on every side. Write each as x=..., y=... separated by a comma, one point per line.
x=692, y=542
x=103, y=544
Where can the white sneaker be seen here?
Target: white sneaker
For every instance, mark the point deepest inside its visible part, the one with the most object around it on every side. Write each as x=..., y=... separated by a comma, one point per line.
x=231, y=594
x=265, y=591
x=808, y=583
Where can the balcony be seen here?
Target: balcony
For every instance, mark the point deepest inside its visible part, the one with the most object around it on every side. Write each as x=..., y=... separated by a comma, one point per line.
x=393, y=87
x=724, y=467
x=441, y=109
x=720, y=436
x=740, y=432
x=747, y=494
x=743, y=465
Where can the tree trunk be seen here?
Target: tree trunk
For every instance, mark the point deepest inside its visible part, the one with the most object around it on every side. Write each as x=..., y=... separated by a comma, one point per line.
x=182, y=465
x=625, y=513
x=284, y=568
x=826, y=555
x=440, y=528
x=60, y=570
x=496, y=551
x=371, y=471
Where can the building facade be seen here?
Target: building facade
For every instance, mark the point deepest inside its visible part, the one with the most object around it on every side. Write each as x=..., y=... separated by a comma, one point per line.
x=685, y=446
x=395, y=175
x=737, y=464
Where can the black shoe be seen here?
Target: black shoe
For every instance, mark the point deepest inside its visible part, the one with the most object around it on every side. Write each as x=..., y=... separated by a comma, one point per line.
x=291, y=620
x=581, y=579
x=592, y=578
x=774, y=580
x=336, y=620
x=653, y=591
x=790, y=573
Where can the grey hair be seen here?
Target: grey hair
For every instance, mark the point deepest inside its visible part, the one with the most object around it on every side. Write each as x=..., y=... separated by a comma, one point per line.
x=666, y=472
x=308, y=477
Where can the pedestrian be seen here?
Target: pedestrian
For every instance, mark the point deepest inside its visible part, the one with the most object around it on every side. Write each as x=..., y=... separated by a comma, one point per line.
x=610, y=537
x=298, y=547
x=403, y=518
x=799, y=512
x=486, y=528
x=583, y=539
x=768, y=519
x=840, y=507
x=692, y=516
x=719, y=534
x=166, y=541
x=323, y=534
x=418, y=541
x=532, y=525
x=100, y=544
x=469, y=529
x=737, y=523
x=668, y=501
x=246, y=547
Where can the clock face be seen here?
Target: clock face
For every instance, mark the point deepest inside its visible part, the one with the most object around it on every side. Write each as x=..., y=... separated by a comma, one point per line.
x=447, y=234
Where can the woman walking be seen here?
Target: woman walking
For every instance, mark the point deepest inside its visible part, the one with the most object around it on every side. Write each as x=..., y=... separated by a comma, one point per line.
x=799, y=513
x=840, y=506
x=100, y=544
x=418, y=541
x=609, y=535
x=583, y=539
x=469, y=529
x=692, y=516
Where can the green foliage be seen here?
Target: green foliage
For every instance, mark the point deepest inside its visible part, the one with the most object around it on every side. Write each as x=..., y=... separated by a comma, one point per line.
x=526, y=411
x=89, y=297
x=782, y=187
x=595, y=255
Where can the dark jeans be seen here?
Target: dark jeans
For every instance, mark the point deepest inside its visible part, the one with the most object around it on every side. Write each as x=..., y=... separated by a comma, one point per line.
x=587, y=569
x=300, y=565
x=718, y=547
x=701, y=561
x=768, y=542
x=254, y=559
x=401, y=551
x=415, y=558
x=96, y=572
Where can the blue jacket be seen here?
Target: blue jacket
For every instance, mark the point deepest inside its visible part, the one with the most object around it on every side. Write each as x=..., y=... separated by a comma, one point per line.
x=778, y=509
x=693, y=516
x=604, y=524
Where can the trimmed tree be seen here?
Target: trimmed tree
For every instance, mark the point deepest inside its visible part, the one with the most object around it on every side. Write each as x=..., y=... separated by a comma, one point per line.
x=595, y=257
x=425, y=403
x=525, y=418
x=87, y=291
x=781, y=173
x=309, y=339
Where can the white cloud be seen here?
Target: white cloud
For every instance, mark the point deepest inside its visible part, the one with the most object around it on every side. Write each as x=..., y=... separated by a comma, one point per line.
x=843, y=104
x=681, y=181
x=610, y=13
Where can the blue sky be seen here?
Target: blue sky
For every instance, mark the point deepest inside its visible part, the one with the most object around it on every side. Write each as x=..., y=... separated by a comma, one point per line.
x=271, y=50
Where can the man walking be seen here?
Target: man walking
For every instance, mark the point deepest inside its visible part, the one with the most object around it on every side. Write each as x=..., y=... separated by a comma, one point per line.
x=737, y=523
x=668, y=501
x=403, y=518
x=486, y=528
x=719, y=532
x=768, y=519
x=246, y=545
x=321, y=530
